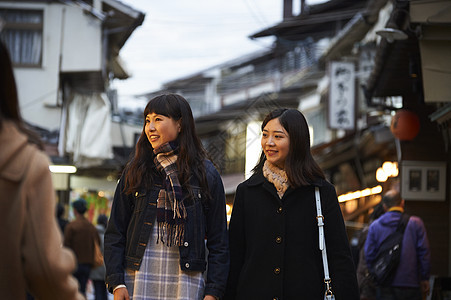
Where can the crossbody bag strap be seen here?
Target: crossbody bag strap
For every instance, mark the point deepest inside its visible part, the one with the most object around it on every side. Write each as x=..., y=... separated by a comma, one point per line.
x=322, y=244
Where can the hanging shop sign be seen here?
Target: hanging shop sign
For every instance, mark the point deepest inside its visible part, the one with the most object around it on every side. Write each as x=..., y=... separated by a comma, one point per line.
x=342, y=95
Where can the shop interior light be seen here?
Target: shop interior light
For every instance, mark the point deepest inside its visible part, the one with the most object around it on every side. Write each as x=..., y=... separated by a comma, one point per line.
x=62, y=169
x=381, y=176
x=395, y=170
x=388, y=169
x=228, y=209
x=358, y=194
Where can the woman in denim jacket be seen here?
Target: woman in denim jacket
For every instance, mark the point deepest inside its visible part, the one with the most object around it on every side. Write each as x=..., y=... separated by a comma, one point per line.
x=169, y=201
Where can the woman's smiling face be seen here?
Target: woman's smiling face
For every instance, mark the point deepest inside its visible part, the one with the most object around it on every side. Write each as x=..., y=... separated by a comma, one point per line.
x=161, y=129
x=275, y=143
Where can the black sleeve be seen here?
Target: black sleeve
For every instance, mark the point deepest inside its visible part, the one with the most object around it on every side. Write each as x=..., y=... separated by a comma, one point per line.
x=217, y=240
x=237, y=244
x=115, y=237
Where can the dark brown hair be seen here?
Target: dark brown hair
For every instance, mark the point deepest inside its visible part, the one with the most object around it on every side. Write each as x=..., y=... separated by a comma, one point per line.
x=141, y=169
x=391, y=198
x=9, y=101
x=300, y=166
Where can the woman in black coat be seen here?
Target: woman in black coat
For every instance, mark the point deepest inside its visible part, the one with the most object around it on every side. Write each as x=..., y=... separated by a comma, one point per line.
x=274, y=244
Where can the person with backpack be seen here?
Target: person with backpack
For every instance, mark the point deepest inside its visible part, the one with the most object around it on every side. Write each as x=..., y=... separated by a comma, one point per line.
x=410, y=279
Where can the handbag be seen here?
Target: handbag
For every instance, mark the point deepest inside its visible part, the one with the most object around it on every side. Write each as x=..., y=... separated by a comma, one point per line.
x=328, y=294
x=98, y=256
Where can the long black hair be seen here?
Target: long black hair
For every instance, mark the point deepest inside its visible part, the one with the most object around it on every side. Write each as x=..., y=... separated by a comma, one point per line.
x=300, y=166
x=141, y=169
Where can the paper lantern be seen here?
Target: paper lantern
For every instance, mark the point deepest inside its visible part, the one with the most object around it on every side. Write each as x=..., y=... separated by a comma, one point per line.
x=405, y=125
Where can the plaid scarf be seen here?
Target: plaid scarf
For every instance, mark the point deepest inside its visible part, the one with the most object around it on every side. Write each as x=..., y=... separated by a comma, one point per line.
x=171, y=213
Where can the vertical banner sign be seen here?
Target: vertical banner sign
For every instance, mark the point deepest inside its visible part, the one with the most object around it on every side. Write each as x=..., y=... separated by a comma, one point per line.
x=342, y=96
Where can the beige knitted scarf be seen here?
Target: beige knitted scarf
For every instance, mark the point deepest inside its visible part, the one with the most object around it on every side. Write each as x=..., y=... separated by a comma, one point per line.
x=276, y=176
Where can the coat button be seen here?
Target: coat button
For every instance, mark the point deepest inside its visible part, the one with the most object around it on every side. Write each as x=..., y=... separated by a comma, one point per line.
x=277, y=270
x=279, y=210
x=187, y=265
x=278, y=239
x=185, y=244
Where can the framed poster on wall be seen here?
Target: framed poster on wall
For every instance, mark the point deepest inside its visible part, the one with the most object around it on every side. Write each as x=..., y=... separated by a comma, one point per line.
x=423, y=180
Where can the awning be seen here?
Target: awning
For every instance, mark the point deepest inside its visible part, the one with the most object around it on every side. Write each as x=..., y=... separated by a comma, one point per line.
x=118, y=69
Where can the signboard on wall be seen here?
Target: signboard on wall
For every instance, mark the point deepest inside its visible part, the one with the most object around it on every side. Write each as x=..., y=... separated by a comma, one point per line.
x=342, y=95
x=423, y=180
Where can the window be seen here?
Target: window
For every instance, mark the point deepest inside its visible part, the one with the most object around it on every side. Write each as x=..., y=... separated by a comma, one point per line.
x=22, y=34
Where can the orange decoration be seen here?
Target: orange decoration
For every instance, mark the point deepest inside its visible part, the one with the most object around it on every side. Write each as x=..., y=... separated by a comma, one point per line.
x=405, y=125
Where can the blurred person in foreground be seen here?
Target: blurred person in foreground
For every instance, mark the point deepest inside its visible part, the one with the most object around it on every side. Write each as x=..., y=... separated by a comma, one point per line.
x=32, y=257
x=274, y=240
x=81, y=235
x=169, y=202
x=411, y=277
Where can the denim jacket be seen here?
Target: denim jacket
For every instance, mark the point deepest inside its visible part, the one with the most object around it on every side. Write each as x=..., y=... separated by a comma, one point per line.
x=132, y=219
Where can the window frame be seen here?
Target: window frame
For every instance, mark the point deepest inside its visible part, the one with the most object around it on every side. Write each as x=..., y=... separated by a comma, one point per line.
x=25, y=26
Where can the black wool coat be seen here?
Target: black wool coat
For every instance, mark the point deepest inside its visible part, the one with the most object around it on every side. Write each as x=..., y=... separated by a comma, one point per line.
x=274, y=244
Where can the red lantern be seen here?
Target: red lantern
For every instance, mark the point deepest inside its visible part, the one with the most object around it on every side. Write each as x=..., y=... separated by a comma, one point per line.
x=405, y=125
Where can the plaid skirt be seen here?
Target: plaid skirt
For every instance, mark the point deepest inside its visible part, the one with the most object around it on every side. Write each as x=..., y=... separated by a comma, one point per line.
x=160, y=276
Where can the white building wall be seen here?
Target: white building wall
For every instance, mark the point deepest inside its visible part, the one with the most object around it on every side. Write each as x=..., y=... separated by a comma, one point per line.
x=38, y=87
x=67, y=28
x=124, y=133
x=82, y=41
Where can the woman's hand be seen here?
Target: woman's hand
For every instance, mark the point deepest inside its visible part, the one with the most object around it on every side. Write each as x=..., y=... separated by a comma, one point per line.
x=208, y=297
x=121, y=294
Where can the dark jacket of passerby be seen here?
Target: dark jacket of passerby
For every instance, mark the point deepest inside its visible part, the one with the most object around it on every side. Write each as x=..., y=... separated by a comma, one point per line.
x=80, y=235
x=32, y=257
x=97, y=275
x=274, y=244
x=99, y=272
x=59, y=216
x=366, y=282
x=414, y=265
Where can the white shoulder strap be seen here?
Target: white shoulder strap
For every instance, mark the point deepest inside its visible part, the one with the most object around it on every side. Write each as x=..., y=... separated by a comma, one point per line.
x=322, y=243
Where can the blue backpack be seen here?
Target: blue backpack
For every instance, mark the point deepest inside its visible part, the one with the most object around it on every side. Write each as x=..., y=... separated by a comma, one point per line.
x=389, y=254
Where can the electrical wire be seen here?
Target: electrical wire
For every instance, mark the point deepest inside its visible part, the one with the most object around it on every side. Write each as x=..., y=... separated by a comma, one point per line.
x=38, y=99
x=262, y=21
